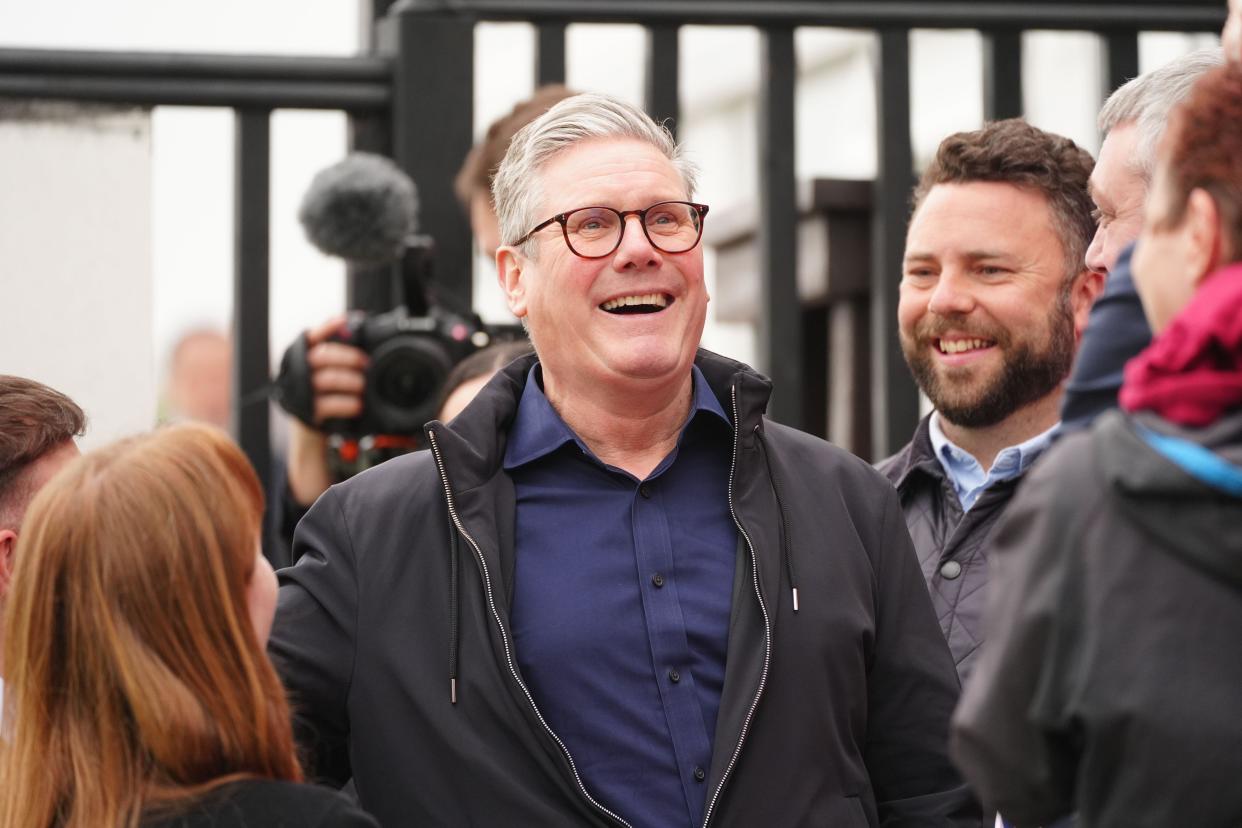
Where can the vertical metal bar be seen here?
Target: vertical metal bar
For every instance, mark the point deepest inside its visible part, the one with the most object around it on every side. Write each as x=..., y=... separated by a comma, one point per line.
x=663, y=77
x=780, y=335
x=550, y=60
x=1002, y=74
x=894, y=397
x=369, y=288
x=1121, y=60
x=251, y=368
x=433, y=108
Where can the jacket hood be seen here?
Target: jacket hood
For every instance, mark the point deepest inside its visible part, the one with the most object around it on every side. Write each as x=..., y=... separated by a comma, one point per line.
x=1192, y=519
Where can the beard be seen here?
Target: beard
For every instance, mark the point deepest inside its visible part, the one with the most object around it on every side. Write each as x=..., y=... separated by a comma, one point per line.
x=1027, y=374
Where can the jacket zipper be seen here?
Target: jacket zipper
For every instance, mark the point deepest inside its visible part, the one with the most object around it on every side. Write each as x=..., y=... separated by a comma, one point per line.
x=504, y=634
x=767, y=621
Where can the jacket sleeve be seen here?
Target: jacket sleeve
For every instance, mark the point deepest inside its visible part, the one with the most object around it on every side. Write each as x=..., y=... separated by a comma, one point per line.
x=912, y=687
x=1011, y=735
x=313, y=637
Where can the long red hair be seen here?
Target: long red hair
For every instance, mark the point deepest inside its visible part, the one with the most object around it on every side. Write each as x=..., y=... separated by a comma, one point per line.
x=135, y=679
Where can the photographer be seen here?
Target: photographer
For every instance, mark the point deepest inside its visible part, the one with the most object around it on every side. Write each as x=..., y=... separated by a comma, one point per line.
x=338, y=370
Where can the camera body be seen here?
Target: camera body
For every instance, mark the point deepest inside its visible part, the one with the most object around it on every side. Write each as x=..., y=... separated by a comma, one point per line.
x=410, y=358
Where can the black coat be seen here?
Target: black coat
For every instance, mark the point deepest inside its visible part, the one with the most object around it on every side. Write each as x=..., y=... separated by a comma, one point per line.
x=834, y=715
x=952, y=544
x=1112, y=674
x=263, y=803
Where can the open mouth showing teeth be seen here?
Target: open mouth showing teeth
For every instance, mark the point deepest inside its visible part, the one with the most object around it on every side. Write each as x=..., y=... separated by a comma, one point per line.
x=639, y=303
x=961, y=346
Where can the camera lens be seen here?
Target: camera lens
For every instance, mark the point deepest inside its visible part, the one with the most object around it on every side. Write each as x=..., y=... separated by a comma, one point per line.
x=404, y=380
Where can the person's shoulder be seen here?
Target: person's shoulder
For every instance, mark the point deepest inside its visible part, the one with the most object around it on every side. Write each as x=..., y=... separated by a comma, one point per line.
x=816, y=457
x=267, y=802
x=389, y=484
x=1074, y=454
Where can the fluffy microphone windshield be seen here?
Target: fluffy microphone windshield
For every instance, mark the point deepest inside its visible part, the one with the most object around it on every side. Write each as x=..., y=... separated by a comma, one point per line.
x=361, y=209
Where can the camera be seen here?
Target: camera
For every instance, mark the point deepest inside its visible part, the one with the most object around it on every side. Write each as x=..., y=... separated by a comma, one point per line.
x=410, y=358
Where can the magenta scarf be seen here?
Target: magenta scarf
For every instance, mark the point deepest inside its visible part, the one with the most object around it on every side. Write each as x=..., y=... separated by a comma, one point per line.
x=1191, y=373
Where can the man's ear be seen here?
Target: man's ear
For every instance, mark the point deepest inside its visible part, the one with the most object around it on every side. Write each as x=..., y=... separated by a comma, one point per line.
x=1087, y=286
x=511, y=273
x=1204, y=235
x=8, y=548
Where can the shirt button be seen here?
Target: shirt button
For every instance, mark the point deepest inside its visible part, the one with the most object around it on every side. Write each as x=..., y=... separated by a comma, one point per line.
x=699, y=774
x=674, y=676
x=951, y=569
x=658, y=580
x=645, y=491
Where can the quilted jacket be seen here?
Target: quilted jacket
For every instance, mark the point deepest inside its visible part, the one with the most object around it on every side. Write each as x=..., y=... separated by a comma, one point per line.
x=951, y=544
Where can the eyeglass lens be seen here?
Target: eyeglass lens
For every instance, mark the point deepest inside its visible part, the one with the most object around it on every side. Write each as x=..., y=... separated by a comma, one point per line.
x=671, y=226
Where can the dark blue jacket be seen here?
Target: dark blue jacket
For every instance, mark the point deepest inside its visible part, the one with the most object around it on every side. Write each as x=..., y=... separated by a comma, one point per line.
x=1116, y=331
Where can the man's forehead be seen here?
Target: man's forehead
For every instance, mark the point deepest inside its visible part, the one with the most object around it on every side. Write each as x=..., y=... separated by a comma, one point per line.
x=979, y=220
x=1118, y=167
x=607, y=170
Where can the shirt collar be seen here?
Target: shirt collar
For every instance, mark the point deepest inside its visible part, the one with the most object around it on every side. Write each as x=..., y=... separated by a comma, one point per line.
x=538, y=430
x=1010, y=461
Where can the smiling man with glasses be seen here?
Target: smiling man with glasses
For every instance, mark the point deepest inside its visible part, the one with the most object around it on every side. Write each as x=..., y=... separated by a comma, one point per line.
x=613, y=593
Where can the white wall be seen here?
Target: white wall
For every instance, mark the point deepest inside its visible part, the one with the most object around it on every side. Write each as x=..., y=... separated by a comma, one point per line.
x=75, y=271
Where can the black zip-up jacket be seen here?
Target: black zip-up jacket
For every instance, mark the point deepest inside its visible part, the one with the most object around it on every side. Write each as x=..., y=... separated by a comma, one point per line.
x=1109, y=685
x=951, y=544
x=392, y=636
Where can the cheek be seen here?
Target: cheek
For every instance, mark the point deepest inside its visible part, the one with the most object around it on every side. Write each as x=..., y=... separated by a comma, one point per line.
x=261, y=597
x=910, y=308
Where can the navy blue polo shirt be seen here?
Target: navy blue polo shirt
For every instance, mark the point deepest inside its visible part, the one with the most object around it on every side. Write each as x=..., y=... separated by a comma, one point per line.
x=621, y=598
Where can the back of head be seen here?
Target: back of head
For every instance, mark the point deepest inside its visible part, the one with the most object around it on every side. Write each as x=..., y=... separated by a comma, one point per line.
x=1014, y=152
x=576, y=119
x=483, y=363
x=1203, y=150
x=479, y=168
x=34, y=420
x=135, y=676
x=1150, y=99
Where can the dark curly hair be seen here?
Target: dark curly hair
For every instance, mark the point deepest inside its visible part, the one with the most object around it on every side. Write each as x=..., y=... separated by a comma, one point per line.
x=1014, y=152
x=1203, y=150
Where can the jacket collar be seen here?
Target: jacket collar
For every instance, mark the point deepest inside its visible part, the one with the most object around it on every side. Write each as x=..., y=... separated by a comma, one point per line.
x=474, y=442
x=918, y=455
x=538, y=429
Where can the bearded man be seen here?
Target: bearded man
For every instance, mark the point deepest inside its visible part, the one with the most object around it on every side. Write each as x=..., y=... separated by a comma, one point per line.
x=994, y=297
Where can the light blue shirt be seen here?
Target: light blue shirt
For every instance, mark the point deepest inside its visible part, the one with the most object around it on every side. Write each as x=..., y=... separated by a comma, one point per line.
x=967, y=475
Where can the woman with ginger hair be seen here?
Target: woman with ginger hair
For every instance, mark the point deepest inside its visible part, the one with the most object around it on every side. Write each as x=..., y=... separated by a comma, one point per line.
x=138, y=692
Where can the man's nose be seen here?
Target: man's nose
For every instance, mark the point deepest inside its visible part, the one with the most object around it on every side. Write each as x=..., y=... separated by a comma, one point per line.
x=636, y=250
x=952, y=295
x=1095, y=258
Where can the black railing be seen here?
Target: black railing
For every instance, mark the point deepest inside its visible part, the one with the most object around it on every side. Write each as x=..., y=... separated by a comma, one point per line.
x=413, y=99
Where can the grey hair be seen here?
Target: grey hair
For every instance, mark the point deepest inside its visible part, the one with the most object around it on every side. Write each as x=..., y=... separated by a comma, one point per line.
x=516, y=189
x=1149, y=99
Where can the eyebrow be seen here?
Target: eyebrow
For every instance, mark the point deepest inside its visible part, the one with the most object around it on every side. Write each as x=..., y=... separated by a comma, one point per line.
x=1098, y=198
x=972, y=255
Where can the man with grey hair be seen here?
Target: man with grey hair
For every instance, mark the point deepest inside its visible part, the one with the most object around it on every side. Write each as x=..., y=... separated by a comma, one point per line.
x=613, y=593
x=1132, y=121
